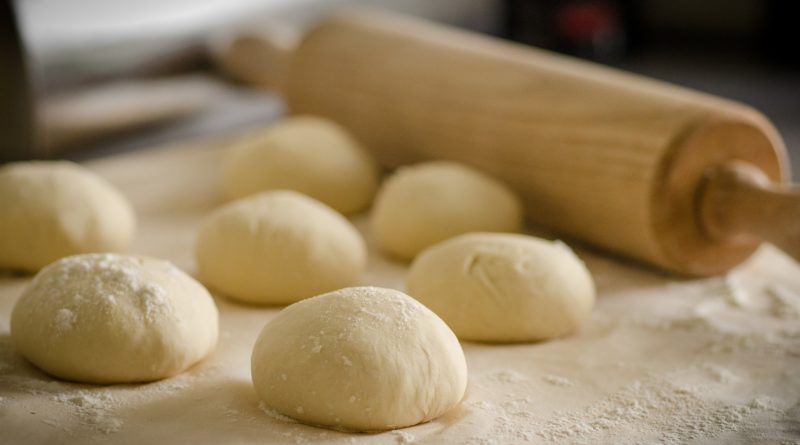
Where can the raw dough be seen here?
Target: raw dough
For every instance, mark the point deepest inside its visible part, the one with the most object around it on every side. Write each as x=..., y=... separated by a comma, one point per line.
x=503, y=287
x=108, y=318
x=431, y=202
x=277, y=248
x=49, y=210
x=360, y=358
x=308, y=154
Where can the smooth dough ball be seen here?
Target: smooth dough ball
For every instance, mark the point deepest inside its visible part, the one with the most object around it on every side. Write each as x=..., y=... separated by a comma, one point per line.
x=308, y=154
x=49, y=210
x=503, y=287
x=427, y=203
x=108, y=318
x=361, y=359
x=277, y=248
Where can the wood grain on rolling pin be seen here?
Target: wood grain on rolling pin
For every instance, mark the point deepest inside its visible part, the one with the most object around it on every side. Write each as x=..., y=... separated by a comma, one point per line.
x=611, y=158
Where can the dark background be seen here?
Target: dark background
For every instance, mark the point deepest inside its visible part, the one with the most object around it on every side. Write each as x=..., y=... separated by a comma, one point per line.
x=746, y=50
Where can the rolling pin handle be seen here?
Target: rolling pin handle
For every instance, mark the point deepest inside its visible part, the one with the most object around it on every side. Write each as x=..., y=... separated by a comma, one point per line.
x=257, y=57
x=739, y=202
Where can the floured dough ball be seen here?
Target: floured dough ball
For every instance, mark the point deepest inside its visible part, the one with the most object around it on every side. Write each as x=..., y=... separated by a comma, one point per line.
x=49, y=210
x=360, y=358
x=308, y=154
x=502, y=287
x=277, y=248
x=108, y=318
x=426, y=203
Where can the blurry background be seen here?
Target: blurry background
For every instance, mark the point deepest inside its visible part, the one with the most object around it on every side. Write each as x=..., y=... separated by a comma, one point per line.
x=89, y=77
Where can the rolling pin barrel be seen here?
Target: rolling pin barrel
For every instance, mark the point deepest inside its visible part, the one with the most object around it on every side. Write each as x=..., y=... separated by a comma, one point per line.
x=596, y=154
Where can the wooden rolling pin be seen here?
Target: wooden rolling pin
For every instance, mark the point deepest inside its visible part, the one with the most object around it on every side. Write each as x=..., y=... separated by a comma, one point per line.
x=673, y=177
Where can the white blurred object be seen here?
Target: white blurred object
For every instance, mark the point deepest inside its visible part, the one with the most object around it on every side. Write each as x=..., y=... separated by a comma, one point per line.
x=255, y=56
x=72, y=40
x=71, y=119
x=83, y=55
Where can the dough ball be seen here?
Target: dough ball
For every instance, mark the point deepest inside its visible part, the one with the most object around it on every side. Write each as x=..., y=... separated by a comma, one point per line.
x=49, y=210
x=308, y=154
x=360, y=358
x=426, y=203
x=277, y=248
x=502, y=287
x=108, y=318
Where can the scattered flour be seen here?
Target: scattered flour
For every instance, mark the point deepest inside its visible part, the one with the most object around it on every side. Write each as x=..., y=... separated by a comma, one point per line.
x=786, y=303
x=734, y=291
x=505, y=376
x=703, y=317
x=115, y=279
x=510, y=423
x=404, y=438
x=274, y=414
x=402, y=310
x=676, y=414
x=93, y=408
x=154, y=299
x=655, y=405
x=720, y=374
x=557, y=380
x=64, y=320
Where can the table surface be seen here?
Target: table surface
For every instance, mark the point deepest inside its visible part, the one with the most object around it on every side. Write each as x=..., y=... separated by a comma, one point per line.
x=662, y=359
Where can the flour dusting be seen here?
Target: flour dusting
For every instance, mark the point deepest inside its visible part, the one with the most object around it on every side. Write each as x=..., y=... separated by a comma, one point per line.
x=677, y=413
x=64, y=320
x=734, y=291
x=505, y=376
x=404, y=438
x=93, y=408
x=650, y=407
x=720, y=374
x=262, y=405
x=556, y=380
x=100, y=283
x=786, y=302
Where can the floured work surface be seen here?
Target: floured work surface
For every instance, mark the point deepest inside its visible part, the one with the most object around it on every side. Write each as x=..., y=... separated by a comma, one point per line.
x=713, y=360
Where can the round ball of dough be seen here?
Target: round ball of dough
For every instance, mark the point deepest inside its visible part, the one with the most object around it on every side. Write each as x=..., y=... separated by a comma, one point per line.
x=360, y=358
x=503, y=287
x=108, y=318
x=427, y=203
x=277, y=248
x=49, y=210
x=308, y=154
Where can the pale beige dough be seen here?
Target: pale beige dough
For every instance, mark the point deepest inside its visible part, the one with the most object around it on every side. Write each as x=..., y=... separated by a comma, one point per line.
x=426, y=203
x=277, y=248
x=500, y=287
x=309, y=154
x=109, y=318
x=52, y=209
x=362, y=359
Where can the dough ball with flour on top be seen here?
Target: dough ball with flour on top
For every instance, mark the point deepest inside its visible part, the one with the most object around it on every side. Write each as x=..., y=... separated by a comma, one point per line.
x=500, y=287
x=108, y=318
x=423, y=204
x=360, y=359
x=277, y=248
x=52, y=209
x=309, y=154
